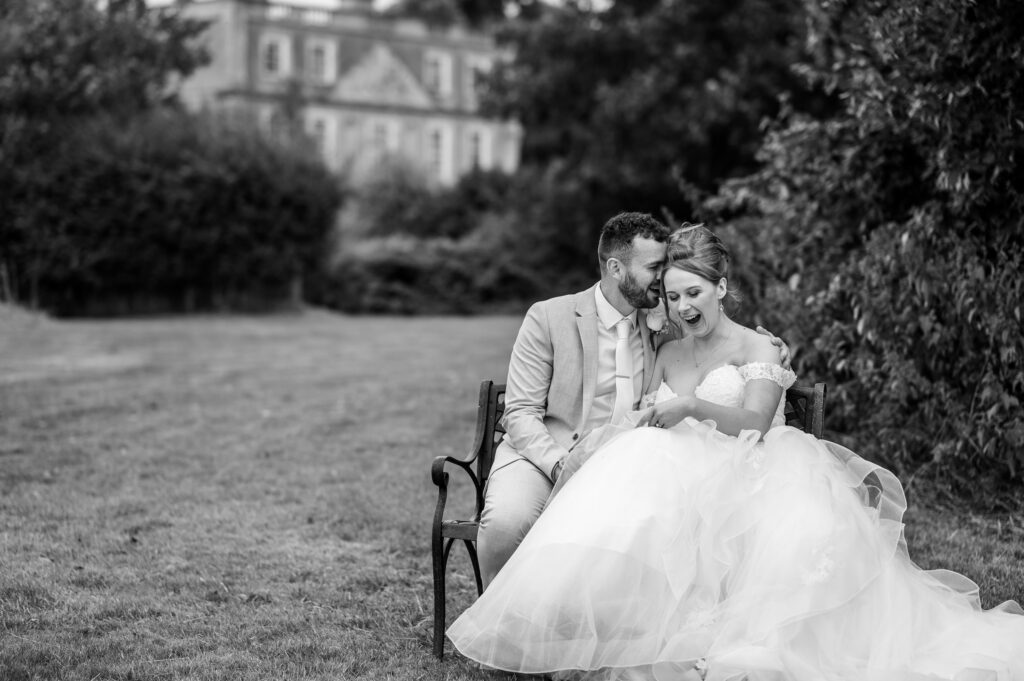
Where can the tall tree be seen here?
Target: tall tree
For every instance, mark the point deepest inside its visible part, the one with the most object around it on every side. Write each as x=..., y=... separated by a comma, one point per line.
x=73, y=57
x=648, y=103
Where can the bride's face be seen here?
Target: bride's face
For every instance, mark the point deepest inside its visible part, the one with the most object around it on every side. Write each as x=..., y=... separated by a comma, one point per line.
x=694, y=301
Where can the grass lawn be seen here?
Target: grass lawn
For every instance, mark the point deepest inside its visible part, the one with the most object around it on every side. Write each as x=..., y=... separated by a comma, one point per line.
x=249, y=497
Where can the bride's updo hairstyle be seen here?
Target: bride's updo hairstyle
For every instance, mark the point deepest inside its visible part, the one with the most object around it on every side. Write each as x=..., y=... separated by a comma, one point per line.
x=698, y=250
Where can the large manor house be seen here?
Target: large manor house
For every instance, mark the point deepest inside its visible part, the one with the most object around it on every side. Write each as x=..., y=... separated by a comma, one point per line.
x=363, y=86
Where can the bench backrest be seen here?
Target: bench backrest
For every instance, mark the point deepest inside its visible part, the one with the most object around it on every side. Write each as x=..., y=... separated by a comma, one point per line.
x=805, y=409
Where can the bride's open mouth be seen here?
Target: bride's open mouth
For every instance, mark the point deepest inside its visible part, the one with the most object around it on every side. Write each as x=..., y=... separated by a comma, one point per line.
x=692, y=319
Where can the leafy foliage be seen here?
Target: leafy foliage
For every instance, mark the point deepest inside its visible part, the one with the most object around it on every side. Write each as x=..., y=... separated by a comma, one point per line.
x=409, y=247
x=474, y=13
x=643, y=100
x=166, y=211
x=398, y=198
x=62, y=58
x=115, y=205
x=889, y=239
x=636, y=106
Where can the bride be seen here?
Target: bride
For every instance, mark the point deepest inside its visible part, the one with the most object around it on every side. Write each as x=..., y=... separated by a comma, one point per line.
x=696, y=548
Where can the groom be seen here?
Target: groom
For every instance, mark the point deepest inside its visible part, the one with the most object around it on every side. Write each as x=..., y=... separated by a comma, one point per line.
x=567, y=376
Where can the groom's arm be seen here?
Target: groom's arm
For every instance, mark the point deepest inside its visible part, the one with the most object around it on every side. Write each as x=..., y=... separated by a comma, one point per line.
x=526, y=392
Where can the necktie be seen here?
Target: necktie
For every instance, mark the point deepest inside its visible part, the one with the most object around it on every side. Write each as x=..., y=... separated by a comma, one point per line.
x=623, y=371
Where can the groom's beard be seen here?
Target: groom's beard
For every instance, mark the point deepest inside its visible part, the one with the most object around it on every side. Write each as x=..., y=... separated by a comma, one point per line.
x=636, y=295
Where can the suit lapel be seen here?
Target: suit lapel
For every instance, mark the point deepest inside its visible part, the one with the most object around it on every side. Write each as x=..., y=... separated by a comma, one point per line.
x=586, y=323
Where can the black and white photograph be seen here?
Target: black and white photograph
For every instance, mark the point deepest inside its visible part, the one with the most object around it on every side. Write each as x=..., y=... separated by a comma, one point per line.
x=484, y=340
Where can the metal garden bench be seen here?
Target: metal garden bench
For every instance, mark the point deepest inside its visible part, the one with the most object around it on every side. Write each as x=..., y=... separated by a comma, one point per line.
x=805, y=409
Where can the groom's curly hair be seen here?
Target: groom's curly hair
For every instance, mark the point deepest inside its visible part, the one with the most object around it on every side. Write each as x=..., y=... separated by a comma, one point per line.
x=618, y=233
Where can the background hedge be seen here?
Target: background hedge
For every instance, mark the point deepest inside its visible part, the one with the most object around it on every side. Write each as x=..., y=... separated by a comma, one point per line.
x=165, y=211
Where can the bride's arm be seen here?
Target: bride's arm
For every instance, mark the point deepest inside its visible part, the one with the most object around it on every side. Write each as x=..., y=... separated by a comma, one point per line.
x=760, y=401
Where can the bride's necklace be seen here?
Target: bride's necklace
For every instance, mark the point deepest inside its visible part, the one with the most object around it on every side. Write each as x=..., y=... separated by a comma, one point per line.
x=711, y=352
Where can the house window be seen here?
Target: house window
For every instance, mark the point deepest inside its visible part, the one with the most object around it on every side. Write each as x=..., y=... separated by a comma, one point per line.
x=275, y=55
x=437, y=73
x=436, y=152
x=384, y=135
x=319, y=132
x=272, y=58
x=277, y=126
x=320, y=60
x=474, y=150
x=322, y=131
x=380, y=136
x=476, y=69
x=479, y=149
x=432, y=73
x=440, y=161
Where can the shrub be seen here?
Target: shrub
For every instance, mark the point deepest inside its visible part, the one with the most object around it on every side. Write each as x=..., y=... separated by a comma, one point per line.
x=893, y=236
x=412, y=275
x=165, y=211
x=398, y=198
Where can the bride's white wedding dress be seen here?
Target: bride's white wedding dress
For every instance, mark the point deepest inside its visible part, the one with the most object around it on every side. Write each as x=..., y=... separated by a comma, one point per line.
x=682, y=553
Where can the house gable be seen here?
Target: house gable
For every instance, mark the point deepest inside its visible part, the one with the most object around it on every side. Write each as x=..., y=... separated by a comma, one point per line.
x=381, y=78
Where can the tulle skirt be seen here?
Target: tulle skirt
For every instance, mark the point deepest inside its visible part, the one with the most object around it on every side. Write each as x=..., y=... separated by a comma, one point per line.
x=684, y=554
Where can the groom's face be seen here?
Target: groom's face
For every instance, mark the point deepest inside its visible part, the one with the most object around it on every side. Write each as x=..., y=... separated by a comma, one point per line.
x=640, y=285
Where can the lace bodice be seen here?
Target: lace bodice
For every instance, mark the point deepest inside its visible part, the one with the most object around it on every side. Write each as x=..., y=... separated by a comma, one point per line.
x=726, y=385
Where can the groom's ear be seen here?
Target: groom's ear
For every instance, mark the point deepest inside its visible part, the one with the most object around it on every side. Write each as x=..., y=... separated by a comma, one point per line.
x=615, y=267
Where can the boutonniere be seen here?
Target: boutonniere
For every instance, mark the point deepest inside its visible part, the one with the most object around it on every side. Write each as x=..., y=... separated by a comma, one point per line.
x=657, y=319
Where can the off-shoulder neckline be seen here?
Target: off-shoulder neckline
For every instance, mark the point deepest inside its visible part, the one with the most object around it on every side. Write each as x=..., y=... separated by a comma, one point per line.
x=737, y=367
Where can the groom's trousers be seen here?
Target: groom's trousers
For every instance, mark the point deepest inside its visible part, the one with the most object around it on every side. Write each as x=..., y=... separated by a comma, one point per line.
x=513, y=499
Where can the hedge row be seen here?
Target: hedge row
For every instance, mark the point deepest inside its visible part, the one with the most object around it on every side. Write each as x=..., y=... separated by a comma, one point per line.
x=161, y=212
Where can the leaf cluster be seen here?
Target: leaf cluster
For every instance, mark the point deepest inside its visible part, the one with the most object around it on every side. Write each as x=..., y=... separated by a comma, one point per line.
x=890, y=235
x=649, y=101
x=61, y=58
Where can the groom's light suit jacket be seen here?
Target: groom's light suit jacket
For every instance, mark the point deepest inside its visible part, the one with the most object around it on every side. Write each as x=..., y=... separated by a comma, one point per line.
x=552, y=378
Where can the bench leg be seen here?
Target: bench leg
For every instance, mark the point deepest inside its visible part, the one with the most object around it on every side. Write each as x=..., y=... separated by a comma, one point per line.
x=440, y=556
x=471, y=550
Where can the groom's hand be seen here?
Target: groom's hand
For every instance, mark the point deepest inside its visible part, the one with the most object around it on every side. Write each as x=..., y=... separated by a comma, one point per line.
x=784, y=356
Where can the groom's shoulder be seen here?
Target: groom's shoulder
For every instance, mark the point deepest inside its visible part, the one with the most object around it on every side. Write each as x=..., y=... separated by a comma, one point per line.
x=568, y=301
x=560, y=311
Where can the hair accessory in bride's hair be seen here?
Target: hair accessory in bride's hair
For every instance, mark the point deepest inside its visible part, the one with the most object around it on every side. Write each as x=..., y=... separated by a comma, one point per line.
x=684, y=229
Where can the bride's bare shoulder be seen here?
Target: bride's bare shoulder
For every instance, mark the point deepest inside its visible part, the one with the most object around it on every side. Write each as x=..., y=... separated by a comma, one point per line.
x=758, y=347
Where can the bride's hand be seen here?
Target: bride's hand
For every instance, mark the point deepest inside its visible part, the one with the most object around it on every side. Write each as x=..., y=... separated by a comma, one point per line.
x=668, y=413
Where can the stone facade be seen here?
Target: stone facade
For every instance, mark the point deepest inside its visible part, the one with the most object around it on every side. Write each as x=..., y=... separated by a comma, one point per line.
x=362, y=85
